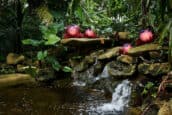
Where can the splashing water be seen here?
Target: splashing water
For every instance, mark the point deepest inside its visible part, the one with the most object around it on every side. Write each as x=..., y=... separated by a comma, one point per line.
x=104, y=74
x=120, y=98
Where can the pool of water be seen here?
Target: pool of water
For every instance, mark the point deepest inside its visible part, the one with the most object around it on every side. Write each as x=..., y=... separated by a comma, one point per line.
x=49, y=100
x=65, y=98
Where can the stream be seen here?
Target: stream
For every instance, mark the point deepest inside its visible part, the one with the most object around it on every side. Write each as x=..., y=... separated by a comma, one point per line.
x=72, y=100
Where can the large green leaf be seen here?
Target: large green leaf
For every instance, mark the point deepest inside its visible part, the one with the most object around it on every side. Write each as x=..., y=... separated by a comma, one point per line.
x=67, y=69
x=32, y=42
x=51, y=39
x=56, y=65
x=41, y=55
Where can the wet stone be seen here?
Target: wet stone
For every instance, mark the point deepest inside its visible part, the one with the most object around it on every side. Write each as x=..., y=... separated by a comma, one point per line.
x=81, y=66
x=126, y=59
x=154, y=69
x=110, y=53
x=14, y=58
x=144, y=48
x=134, y=111
x=85, y=41
x=165, y=109
x=120, y=70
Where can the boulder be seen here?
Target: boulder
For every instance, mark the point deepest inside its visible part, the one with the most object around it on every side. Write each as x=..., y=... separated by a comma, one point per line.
x=15, y=79
x=120, y=70
x=81, y=66
x=92, y=58
x=165, y=109
x=85, y=41
x=45, y=74
x=109, y=53
x=85, y=62
x=134, y=111
x=144, y=48
x=7, y=69
x=155, y=54
x=126, y=59
x=154, y=69
x=13, y=59
x=24, y=68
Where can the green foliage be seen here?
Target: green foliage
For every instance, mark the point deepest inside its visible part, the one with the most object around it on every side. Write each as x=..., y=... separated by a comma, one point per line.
x=67, y=69
x=44, y=14
x=48, y=34
x=41, y=55
x=32, y=42
x=88, y=14
x=56, y=65
x=149, y=89
x=32, y=71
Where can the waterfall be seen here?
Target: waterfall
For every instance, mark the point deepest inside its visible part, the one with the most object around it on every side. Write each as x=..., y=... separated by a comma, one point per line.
x=120, y=98
x=104, y=74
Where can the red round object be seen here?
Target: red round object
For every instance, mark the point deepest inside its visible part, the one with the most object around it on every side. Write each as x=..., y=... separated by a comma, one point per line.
x=80, y=35
x=146, y=36
x=66, y=36
x=73, y=30
x=125, y=48
x=89, y=33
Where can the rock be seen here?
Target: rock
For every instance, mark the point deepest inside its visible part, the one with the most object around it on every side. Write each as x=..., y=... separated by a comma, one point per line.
x=103, y=84
x=165, y=109
x=120, y=70
x=109, y=53
x=86, y=62
x=15, y=79
x=85, y=41
x=154, y=69
x=7, y=69
x=153, y=110
x=24, y=68
x=154, y=54
x=56, y=51
x=134, y=111
x=14, y=58
x=123, y=35
x=144, y=48
x=92, y=58
x=126, y=59
x=81, y=66
x=45, y=74
x=97, y=68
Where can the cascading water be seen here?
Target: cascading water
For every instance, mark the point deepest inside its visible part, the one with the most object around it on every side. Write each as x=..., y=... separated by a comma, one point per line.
x=120, y=99
x=104, y=74
x=120, y=96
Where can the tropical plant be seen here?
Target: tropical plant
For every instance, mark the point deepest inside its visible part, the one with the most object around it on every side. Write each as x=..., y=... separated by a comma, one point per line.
x=49, y=38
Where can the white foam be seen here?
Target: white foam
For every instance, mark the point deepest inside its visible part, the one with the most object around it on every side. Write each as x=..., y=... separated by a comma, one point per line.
x=120, y=98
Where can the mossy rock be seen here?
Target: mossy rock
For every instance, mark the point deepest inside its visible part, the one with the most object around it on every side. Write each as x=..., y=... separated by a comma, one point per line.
x=134, y=111
x=144, y=48
x=109, y=53
x=154, y=69
x=165, y=109
x=120, y=70
x=82, y=42
x=126, y=59
x=13, y=59
x=8, y=80
x=81, y=66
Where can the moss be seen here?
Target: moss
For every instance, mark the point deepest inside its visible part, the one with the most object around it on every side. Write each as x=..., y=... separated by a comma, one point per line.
x=44, y=14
